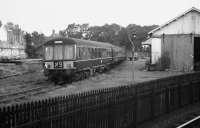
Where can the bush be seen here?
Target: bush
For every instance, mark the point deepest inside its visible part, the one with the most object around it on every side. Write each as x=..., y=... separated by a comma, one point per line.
x=163, y=62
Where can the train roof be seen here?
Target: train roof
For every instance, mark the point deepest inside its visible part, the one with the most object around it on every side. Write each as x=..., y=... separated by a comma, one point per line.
x=80, y=42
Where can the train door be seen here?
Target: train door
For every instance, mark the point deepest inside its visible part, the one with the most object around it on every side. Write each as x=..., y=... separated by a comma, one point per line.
x=196, y=53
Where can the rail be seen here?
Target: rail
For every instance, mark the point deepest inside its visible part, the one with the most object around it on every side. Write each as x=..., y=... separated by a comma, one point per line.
x=11, y=97
x=194, y=123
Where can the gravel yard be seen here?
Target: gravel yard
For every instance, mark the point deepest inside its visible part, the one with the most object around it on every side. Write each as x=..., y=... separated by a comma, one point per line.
x=19, y=76
x=120, y=75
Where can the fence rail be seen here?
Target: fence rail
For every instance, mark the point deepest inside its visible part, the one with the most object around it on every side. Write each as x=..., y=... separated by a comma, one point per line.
x=117, y=107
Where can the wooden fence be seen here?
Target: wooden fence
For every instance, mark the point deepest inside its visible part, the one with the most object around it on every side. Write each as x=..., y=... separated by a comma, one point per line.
x=118, y=107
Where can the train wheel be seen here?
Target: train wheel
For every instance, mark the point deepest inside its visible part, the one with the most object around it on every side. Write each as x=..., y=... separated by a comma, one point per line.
x=77, y=76
x=87, y=74
x=84, y=75
x=101, y=69
x=48, y=78
x=69, y=79
x=55, y=80
x=92, y=72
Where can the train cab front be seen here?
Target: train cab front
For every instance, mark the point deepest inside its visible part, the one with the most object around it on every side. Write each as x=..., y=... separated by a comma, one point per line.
x=59, y=59
x=58, y=68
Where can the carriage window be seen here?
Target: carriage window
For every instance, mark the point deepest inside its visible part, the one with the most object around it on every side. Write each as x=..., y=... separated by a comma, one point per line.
x=49, y=53
x=87, y=54
x=58, y=52
x=98, y=53
x=104, y=52
x=81, y=53
x=77, y=53
x=93, y=53
x=69, y=52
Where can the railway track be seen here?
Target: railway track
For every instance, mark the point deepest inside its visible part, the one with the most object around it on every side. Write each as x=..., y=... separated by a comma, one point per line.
x=16, y=74
x=21, y=95
x=193, y=123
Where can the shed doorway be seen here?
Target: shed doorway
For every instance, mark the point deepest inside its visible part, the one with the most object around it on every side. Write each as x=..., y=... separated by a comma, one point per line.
x=196, y=53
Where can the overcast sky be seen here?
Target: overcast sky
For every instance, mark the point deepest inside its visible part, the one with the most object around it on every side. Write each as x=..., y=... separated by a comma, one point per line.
x=45, y=15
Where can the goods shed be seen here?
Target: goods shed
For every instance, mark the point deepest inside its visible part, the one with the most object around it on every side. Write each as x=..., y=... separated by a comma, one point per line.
x=180, y=41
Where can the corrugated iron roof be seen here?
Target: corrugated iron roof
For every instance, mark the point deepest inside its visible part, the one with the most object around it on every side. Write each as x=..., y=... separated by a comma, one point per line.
x=179, y=16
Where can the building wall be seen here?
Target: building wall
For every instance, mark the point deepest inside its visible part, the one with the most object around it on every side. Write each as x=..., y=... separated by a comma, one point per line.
x=12, y=53
x=196, y=23
x=178, y=40
x=12, y=43
x=155, y=49
x=179, y=49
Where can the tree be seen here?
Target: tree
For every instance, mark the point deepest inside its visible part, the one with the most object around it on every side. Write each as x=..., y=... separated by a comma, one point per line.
x=62, y=33
x=77, y=30
x=37, y=38
x=141, y=33
x=33, y=40
x=84, y=29
x=112, y=33
x=73, y=30
x=122, y=38
x=30, y=49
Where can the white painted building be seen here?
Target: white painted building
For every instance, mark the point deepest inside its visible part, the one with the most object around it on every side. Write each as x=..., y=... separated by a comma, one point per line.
x=179, y=41
x=155, y=44
x=12, y=43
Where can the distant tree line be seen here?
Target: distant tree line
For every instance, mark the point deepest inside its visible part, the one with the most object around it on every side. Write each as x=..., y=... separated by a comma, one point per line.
x=33, y=40
x=113, y=33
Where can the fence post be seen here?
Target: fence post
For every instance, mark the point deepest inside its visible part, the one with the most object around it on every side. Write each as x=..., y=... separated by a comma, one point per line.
x=167, y=99
x=191, y=86
x=179, y=95
x=152, y=103
x=3, y=118
x=199, y=91
x=135, y=107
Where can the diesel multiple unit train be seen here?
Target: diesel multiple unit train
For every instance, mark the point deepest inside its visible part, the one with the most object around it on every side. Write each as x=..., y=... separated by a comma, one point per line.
x=69, y=58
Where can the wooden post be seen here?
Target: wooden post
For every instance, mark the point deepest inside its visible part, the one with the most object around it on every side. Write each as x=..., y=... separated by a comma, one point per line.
x=133, y=50
x=167, y=100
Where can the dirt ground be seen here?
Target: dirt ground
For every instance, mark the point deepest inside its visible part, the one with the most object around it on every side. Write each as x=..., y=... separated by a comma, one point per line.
x=19, y=76
x=120, y=75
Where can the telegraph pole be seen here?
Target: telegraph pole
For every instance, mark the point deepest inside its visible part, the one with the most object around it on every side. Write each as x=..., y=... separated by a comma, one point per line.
x=130, y=35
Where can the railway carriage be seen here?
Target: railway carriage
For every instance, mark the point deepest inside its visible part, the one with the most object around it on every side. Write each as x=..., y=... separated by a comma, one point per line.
x=67, y=57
